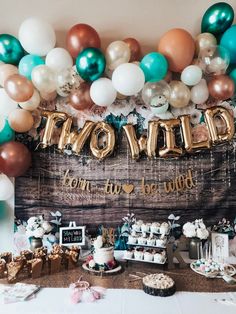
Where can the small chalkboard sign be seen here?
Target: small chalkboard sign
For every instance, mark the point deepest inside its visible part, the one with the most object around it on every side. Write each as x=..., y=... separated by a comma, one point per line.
x=72, y=235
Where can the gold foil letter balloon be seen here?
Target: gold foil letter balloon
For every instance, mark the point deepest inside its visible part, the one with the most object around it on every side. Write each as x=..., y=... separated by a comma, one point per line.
x=102, y=141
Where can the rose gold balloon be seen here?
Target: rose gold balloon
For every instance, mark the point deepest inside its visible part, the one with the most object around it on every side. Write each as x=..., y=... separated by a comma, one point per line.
x=135, y=49
x=21, y=120
x=19, y=88
x=7, y=70
x=221, y=87
x=15, y=159
x=82, y=36
x=80, y=98
x=178, y=46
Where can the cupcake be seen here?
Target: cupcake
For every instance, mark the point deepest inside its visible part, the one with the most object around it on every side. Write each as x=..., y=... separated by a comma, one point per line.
x=148, y=256
x=155, y=227
x=145, y=227
x=161, y=242
x=164, y=228
x=129, y=254
x=137, y=225
x=159, y=257
x=132, y=239
x=138, y=254
x=151, y=241
x=142, y=240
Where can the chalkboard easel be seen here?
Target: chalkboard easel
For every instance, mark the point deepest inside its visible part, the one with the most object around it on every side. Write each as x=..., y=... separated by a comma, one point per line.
x=72, y=235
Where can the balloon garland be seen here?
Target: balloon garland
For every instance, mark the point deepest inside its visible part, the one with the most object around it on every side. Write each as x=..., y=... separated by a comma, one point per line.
x=182, y=71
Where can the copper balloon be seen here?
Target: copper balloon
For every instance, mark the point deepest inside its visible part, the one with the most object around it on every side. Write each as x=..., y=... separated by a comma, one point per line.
x=19, y=88
x=221, y=87
x=80, y=98
x=178, y=46
x=15, y=159
x=21, y=120
x=135, y=49
x=82, y=36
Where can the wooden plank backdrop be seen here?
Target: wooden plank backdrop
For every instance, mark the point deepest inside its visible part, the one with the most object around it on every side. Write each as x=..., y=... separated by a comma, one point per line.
x=41, y=190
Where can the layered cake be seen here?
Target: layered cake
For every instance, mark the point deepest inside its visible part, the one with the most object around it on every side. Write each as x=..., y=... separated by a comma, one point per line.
x=103, y=255
x=159, y=285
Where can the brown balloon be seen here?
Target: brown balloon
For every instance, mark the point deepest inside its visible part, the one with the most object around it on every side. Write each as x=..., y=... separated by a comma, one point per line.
x=221, y=87
x=82, y=36
x=19, y=88
x=135, y=49
x=15, y=159
x=178, y=46
x=80, y=98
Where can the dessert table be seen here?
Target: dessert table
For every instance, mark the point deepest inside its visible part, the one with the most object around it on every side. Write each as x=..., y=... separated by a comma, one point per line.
x=123, y=301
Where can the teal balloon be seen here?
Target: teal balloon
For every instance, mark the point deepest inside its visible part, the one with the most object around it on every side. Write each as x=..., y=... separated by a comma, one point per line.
x=154, y=66
x=233, y=76
x=11, y=50
x=217, y=18
x=3, y=209
x=6, y=133
x=228, y=40
x=28, y=63
x=90, y=64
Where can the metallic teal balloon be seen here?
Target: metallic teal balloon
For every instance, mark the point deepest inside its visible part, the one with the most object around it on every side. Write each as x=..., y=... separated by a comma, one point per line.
x=90, y=64
x=11, y=50
x=228, y=41
x=233, y=76
x=217, y=18
x=6, y=133
x=154, y=66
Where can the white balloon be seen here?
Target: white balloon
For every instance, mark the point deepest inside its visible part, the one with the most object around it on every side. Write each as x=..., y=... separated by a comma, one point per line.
x=200, y=93
x=44, y=79
x=7, y=105
x=102, y=92
x=32, y=103
x=191, y=75
x=128, y=79
x=59, y=59
x=37, y=36
x=6, y=187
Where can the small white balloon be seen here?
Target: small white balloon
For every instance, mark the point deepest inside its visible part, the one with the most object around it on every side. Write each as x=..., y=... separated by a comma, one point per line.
x=6, y=188
x=37, y=36
x=200, y=93
x=44, y=79
x=128, y=79
x=102, y=92
x=32, y=103
x=59, y=59
x=191, y=75
x=7, y=105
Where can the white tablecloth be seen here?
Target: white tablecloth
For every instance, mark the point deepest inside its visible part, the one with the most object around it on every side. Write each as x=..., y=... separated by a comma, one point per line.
x=121, y=301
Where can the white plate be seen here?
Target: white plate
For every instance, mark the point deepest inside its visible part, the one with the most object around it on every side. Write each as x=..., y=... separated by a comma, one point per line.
x=231, y=271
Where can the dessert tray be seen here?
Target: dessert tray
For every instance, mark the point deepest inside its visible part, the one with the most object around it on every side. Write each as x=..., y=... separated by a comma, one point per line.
x=146, y=245
x=212, y=269
x=110, y=272
x=145, y=261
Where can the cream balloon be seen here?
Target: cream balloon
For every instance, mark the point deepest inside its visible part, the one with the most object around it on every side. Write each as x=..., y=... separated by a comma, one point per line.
x=65, y=82
x=204, y=41
x=21, y=120
x=7, y=70
x=128, y=79
x=37, y=36
x=102, y=92
x=44, y=79
x=179, y=95
x=117, y=52
x=191, y=75
x=200, y=93
x=7, y=105
x=6, y=188
x=59, y=59
x=32, y=103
